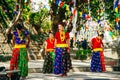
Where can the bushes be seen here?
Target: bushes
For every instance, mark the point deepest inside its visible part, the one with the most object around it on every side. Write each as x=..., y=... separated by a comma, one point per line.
x=82, y=54
x=39, y=38
x=4, y=58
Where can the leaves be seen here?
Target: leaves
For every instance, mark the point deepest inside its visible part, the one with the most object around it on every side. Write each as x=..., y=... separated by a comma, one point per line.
x=41, y=19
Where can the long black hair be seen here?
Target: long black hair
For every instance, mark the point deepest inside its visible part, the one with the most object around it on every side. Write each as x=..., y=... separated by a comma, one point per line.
x=19, y=24
x=100, y=34
x=62, y=23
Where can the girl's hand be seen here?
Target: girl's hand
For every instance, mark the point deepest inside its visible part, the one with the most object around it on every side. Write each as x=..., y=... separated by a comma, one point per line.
x=54, y=50
x=68, y=50
x=27, y=46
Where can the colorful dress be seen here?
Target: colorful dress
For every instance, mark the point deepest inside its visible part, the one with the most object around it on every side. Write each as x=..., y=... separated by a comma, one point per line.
x=62, y=62
x=49, y=58
x=97, y=62
x=19, y=58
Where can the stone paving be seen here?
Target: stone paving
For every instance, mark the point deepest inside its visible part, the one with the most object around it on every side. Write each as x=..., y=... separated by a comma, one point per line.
x=76, y=76
x=39, y=63
x=35, y=66
x=77, y=73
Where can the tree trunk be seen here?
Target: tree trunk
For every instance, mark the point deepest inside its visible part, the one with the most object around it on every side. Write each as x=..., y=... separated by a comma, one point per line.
x=57, y=16
x=12, y=23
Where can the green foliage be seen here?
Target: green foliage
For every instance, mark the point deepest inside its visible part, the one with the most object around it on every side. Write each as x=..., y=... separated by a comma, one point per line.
x=4, y=58
x=82, y=54
x=8, y=10
x=8, y=6
x=96, y=7
x=97, y=10
x=39, y=38
x=110, y=14
x=41, y=19
x=3, y=18
x=26, y=13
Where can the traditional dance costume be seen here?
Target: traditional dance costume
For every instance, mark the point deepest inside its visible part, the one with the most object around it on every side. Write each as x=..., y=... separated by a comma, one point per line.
x=62, y=62
x=19, y=58
x=49, y=58
x=97, y=62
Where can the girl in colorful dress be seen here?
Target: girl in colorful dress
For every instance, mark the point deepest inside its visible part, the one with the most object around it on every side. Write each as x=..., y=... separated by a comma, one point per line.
x=62, y=62
x=97, y=62
x=19, y=60
x=49, y=51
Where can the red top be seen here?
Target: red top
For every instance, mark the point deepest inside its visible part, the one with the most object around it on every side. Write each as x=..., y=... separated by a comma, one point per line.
x=50, y=43
x=57, y=36
x=96, y=43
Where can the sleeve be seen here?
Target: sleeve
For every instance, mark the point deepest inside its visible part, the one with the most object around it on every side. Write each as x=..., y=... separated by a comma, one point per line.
x=26, y=32
x=46, y=40
x=56, y=35
x=92, y=41
x=67, y=35
x=15, y=33
x=102, y=42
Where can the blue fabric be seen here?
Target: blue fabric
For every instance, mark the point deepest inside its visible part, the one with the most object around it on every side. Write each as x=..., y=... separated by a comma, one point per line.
x=116, y=3
x=70, y=9
x=57, y=1
x=62, y=63
x=83, y=15
x=58, y=67
x=95, y=62
x=21, y=40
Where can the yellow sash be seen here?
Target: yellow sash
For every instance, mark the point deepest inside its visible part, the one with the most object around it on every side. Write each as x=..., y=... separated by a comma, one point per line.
x=20, y=46
x=61, y=45
x=97, y=49
x=50, y=50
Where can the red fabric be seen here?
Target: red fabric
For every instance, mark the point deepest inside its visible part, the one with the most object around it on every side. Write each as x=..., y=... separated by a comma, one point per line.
x=96, y=43
x=14, y=59
x=57, y=36
x=102, y=61
x=74, y=11
x=62, y=4
x=50, y=43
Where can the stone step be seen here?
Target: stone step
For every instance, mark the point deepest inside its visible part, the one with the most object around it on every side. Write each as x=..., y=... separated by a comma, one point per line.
x=5, y=47
x=35, y=57
x=5, y=57
x=34, y=51
x=78, y=66
x=35, y=66
x=37, y=54
x=37, y=43
x=76, y=76
x=34, y=47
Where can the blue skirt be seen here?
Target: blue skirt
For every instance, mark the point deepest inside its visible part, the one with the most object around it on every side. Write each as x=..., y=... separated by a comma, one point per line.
x=96, y=62
x=62, y=62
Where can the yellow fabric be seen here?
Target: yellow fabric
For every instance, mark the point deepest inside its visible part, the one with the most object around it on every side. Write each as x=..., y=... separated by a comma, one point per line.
x=116, y=9
x=62, y=35
x=98, y=49
x=20, y=46
x=61, y=45
x=80, y=14
x=67, y=7
x=50, y=49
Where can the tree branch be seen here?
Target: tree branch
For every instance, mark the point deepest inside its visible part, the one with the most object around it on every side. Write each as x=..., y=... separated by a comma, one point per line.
x=12, y=23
